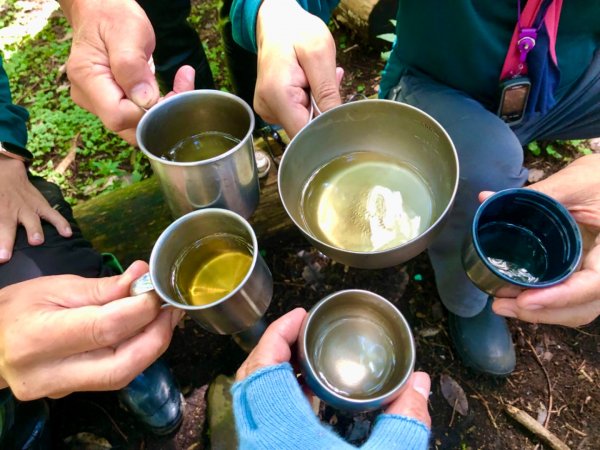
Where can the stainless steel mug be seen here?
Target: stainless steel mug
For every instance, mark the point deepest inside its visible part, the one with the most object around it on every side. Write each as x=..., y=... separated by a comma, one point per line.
x=396, y=131
x=356, y=350
x=521, y=239
x=228, y=180
x=239, y=311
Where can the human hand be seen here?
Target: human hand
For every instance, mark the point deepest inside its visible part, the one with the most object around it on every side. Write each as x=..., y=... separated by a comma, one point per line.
x=271, y=411
x=61, y=334
x=576, y=301
x=109, y=65
x=22, y=204
x=296, y=55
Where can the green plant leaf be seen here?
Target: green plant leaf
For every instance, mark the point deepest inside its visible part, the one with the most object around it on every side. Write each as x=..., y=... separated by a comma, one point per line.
x=553, y=152
x=534, y=148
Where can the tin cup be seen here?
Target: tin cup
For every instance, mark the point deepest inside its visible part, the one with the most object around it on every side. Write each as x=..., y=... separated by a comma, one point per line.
x=242, y=309
x=356, y=350
x=228, y=180
x=521, y=239
x=396, y=132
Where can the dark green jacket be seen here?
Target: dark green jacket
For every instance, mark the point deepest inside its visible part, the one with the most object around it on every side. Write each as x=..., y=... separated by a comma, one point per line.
x=460, y=43
x=13, y=118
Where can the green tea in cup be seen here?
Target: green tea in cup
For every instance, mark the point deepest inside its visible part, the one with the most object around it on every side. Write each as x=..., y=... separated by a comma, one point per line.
x=365, y=201
x=201, y=146
x=211, y=268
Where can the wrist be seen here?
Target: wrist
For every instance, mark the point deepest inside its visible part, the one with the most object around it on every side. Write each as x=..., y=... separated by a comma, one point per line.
x=15, y=152
x=268, y=19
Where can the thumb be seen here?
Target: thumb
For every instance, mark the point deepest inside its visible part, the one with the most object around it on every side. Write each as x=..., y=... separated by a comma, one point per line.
x=484, y=195
x=413, y=400
x=129, y=53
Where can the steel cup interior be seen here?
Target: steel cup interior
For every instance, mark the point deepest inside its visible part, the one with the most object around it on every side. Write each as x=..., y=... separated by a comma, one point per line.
x=184, y=232
x=542, y=217
x=190, y=113
x=397, y=130
x=358, y=350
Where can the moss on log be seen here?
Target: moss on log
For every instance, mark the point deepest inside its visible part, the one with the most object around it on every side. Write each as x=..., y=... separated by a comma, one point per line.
x=127, y=221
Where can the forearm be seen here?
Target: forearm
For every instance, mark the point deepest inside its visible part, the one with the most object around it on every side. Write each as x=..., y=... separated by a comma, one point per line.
x=244, y=14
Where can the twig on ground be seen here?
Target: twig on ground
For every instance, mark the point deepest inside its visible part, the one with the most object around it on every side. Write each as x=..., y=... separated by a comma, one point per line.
x=352, y=47
x=487, y=408
x=123, y=435
x=453, y=414
x=539, y=361
x=575, y=430
x=536, y=428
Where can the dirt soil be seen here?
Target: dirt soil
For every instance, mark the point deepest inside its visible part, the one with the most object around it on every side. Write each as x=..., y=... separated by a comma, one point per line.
x=556, y=379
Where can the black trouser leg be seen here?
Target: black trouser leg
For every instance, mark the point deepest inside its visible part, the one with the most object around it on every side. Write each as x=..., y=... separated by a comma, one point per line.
x=240, y=62
x=177, y=43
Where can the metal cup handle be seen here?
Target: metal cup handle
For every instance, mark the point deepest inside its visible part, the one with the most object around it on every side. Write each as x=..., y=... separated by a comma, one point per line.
x=142, y=285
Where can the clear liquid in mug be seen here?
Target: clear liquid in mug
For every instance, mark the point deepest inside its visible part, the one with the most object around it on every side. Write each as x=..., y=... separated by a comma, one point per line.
x=199, y=147
x=211, y=268
x=514, y=251
x=365, y=201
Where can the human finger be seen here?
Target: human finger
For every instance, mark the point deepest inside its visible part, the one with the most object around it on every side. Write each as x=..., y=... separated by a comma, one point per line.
x=571, y=316
x=412, y=402
x=73, y=291
x=88, y=328
x=32, y=224
x=129, y=50
x=484, y=195
x=274, y=346
x=107, y=368
x=316, y=56
x=580, y=288
x=53, y=217
x=8, y=230
x=184, y=79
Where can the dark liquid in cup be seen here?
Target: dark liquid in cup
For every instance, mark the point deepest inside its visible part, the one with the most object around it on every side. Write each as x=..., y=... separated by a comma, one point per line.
x=201, y=146
x=514, y=251
x=211, y=268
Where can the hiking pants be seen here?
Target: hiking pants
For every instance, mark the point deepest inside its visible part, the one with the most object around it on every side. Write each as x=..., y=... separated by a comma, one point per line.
x=490, y=156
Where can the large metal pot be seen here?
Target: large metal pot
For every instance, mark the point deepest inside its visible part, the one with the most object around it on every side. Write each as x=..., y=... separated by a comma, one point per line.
x=397, y=130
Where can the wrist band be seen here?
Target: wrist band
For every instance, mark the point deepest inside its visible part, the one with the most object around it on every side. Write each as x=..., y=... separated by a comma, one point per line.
x=16, y=152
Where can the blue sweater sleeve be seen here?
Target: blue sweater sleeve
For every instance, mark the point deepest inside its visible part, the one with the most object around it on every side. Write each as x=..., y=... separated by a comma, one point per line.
x=243, y=18
x=13, y=118
x=271, y=412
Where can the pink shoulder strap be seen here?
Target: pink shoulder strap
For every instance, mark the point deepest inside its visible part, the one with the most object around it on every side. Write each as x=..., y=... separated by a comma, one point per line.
x=513, y=66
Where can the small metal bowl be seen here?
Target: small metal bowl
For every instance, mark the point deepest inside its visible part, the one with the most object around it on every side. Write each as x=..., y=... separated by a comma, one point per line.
x=356, y=350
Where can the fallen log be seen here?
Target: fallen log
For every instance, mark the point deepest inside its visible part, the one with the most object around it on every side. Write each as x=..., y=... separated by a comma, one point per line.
x=127, y=221
x=367, y=18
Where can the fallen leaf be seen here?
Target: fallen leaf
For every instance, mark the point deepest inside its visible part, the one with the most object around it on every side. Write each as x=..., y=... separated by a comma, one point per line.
x=87, y=441
x=454, y=394
x=68, y=160
x=536, y=175
x=429, y=332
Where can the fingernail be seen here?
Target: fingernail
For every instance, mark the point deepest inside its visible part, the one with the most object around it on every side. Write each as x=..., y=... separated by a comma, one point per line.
x=176, y=317
x=68, y=231
x=142, y=95
x=505, y=312
x=4, y=254
x=422, y=384
x=37, y=238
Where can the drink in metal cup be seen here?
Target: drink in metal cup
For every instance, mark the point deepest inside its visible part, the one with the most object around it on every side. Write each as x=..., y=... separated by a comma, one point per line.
x=200, y=147
x=214, y=245
x=370, y=183
x=356, y=350
x=521, y=239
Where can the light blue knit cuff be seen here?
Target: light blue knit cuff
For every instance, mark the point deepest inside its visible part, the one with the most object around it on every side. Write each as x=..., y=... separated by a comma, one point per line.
x=395, y=431
x=271, y=412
